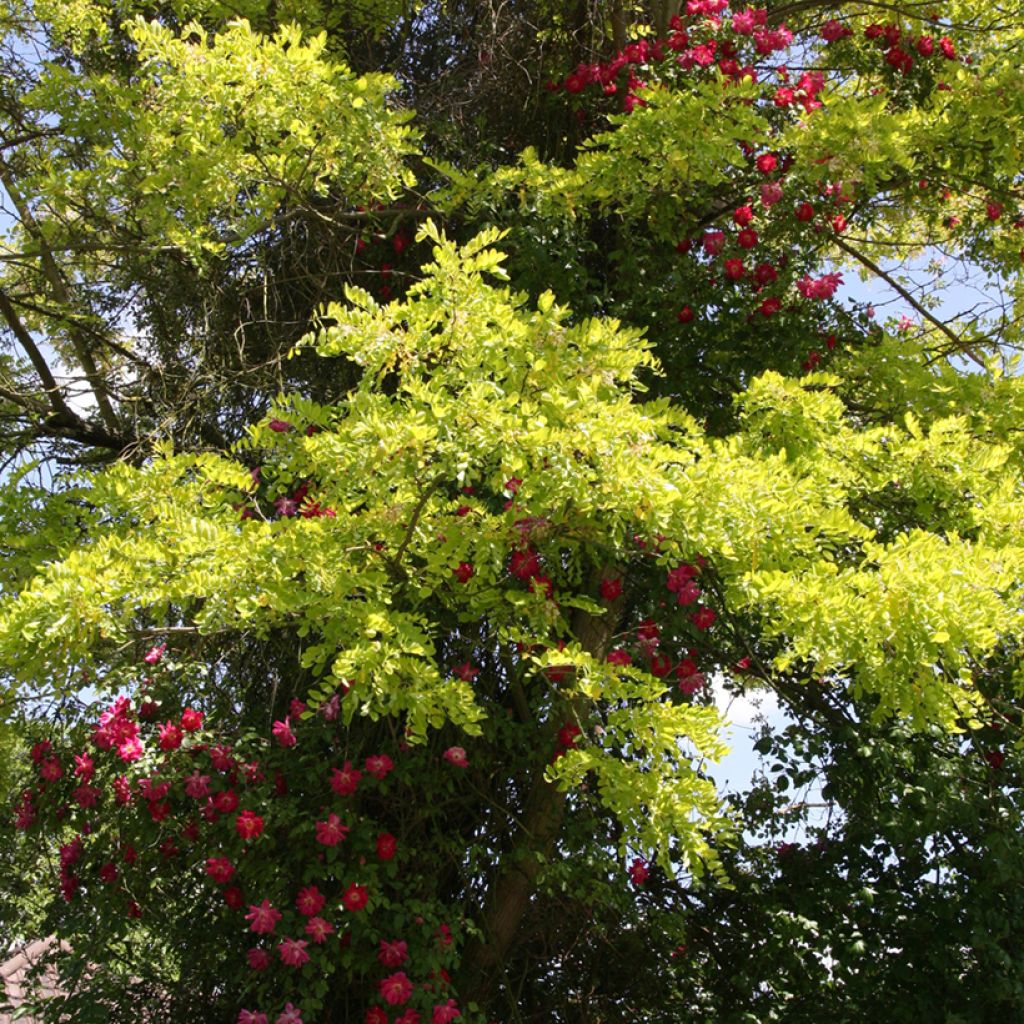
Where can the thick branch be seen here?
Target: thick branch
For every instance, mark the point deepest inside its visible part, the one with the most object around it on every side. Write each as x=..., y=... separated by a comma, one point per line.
x=59, y=289
x=42, y=368
x=540, y=825
x=959, y=344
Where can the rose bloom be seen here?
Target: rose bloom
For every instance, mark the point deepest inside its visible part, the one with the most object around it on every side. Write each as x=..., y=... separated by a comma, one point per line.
x=396, y=989
x=345, y=780
x=191, y=720
x=331, y=832
x=393, y=954
x=318, y=929
x=220, y=869
x=387, y=846
x=225, y=801
x=283, y=733
x=251, y=1017
x=445, y=1014
x=197, y=786
x=310, y=901
x=356, y=897
x=379, y=765
x=264, y=918
x=170, y=736
x=248, y=825
x=291, y=1015
x=259, y=959
x=293, y=952
x=456, y=756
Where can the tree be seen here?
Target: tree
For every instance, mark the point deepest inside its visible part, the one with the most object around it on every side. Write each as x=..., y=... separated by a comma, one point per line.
x=442, y=467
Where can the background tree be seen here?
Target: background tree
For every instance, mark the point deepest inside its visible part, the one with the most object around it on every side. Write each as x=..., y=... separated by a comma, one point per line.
x=415, y=628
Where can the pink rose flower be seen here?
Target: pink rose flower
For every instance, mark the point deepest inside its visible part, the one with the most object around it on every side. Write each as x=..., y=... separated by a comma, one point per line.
x=263, y=918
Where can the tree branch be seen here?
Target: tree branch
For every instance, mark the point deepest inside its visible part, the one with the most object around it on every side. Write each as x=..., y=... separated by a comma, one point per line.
x=59, y=289
x=959, y=344
x=42, y=368
x=514, y=885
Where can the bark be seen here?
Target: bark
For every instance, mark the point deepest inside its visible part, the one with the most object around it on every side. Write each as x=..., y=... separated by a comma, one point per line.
x=538, y=830
x=61, y=295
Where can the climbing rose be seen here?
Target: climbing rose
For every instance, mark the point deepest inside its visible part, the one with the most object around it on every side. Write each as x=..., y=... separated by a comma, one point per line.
x=84, y=767
x=221, y=759
x=734, y=269
x=318, y=929
x=685, y=315
x=293, y=952
x=225, y=801
x=445, y=1014
x=832, y=31
x=822, y=288
x=154, y=654
x=310, y=901
x=251, y=1017
x=396, y=989
x=248, y=825
x=345, y=780
x=220, y=869
x=291, y=1015
x=661, y=665
x=464, y=572
x=524, y=564
x=767, y=162
x=619, y=657
x=264, y=918
x=170, y=736
x=747, y=238
x=259, y=959
x=379, y=765
x=331, y=832
x=680, y=576
x=611, y=589
x=805, y=212
x=283, y=733
x=703, y=617
x=456, y=756
x=356, y=897
x=742, y=216
x=191, y=720
x=86, y=795
x=410, y=1016
x=51, y=770
x=393, y=954
x=771, y=193
x=387, y=846
x=197, y=786
x=375, y=1015
x=714, y=242
x=690, y=680
x=638, y=873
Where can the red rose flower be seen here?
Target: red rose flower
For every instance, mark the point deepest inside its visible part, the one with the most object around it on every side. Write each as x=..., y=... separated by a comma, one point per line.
x=248, y=825
x=356, y=897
